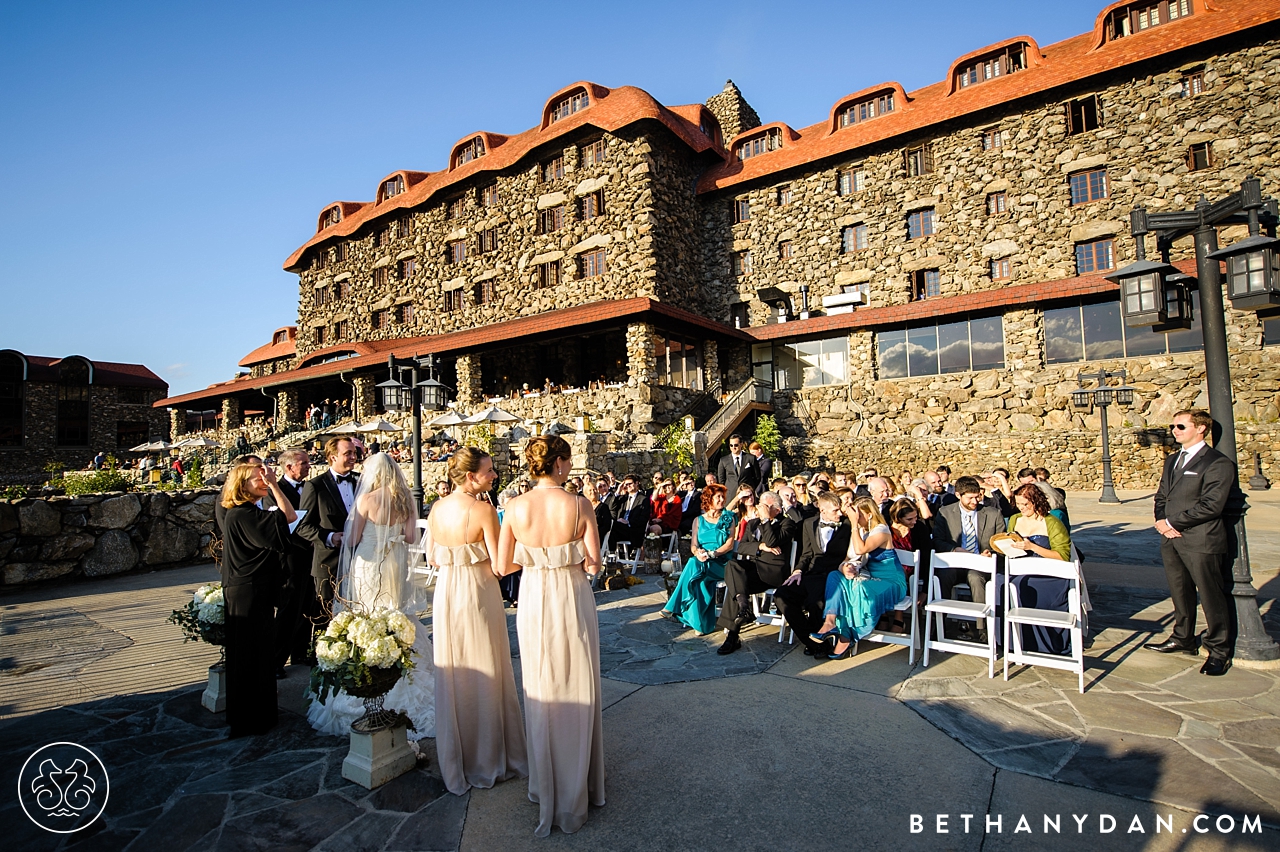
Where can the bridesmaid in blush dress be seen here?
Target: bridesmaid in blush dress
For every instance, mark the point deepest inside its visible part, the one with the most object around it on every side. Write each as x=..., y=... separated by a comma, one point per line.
x=479, y=736
x=552, y=535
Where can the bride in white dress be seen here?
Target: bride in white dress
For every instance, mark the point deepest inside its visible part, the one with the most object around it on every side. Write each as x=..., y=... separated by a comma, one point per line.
x=373, y=571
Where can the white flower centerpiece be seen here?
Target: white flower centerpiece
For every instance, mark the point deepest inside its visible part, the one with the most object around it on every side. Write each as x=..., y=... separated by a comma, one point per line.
x=204, y=619
x=364, y=654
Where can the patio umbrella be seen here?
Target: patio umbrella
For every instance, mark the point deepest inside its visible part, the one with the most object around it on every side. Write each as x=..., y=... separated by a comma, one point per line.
x=449, y=418
x=491, y=414
x=141, y=448
x=194, y=443
x=378, y=425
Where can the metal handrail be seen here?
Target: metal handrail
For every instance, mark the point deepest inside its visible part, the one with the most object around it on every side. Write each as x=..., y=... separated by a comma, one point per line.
x=753, y=390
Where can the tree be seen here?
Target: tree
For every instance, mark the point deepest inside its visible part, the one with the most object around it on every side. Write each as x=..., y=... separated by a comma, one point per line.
x=767, y=435
x=677, y=444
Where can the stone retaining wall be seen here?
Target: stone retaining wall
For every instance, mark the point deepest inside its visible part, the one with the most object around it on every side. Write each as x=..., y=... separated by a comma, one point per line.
x=100, y=534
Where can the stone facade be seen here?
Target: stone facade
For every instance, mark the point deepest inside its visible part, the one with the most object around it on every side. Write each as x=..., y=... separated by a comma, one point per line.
x=732, y=110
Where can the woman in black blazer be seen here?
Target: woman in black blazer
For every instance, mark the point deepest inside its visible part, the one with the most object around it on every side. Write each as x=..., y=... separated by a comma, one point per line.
x=255, y=542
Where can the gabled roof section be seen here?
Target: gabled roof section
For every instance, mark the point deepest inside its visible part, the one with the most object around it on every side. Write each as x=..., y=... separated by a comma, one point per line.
x=107, y=373
x=490, y=141
x=274, y=350
x=344, y=209
x=899, y=94
x=410, y=179
x=613, y=110
x=1066, y=62
x=1031, y=54
x=1198, y=7
x=594, y=93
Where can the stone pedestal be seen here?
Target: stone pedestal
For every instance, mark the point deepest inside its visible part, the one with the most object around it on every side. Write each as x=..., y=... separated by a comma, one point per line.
x=215, y=694
x=376, y=758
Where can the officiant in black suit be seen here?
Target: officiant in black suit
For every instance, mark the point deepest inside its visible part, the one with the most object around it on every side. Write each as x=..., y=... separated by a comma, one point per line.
x=298, y=607
x=763, y=562
x=824, y=544
x=327, y=499
x=738, y=467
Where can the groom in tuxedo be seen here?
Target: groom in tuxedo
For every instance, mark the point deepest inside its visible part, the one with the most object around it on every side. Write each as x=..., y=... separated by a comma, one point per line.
x=327, y=499
x=824, y=545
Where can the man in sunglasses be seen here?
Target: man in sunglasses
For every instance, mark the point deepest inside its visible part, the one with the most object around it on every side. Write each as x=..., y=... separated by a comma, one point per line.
x=1193, y=494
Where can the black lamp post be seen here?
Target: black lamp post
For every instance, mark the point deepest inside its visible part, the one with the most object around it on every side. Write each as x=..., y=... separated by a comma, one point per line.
x=1253, y=284
x=414, y=397
x=1102, y=396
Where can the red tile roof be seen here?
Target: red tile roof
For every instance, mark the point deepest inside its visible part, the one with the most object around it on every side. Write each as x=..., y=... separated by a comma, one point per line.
x=107, y=373
x=1066, y=62
x=610, y=109
x=272, y=351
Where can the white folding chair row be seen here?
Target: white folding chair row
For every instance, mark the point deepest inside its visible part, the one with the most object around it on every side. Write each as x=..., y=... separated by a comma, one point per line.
x=1016, y=615
x=910, y=559
x=419, y=565
x=765, y=605
x=940, y=607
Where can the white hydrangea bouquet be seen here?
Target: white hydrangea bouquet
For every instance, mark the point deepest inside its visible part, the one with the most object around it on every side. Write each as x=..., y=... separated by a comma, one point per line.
x=363, y=654
x=204, y=617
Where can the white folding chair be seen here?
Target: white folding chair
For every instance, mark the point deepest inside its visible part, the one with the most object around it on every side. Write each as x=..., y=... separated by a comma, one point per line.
x=628, y=559
x=1016, y=615
x=940, y=607
x=419, y=565
x=672, y=548
x=1085, y=606
x=910, y=559
x=765, y=605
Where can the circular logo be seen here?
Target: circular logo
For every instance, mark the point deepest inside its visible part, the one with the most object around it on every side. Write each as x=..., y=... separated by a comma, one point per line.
x=63, y=787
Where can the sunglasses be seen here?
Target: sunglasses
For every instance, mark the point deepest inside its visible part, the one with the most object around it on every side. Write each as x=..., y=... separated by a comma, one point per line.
x=1180, y=426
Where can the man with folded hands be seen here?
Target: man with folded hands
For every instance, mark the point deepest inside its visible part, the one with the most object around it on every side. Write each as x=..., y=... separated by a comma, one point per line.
x=763, y=562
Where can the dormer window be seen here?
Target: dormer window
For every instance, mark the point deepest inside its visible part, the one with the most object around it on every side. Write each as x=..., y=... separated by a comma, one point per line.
x=1145, y=15
x=470, y=151
x=331, y=217
x=282, y=336
x=569, y=105
x=770, y=141
x=393, y=186
x=866, y=110
x=1007, y=61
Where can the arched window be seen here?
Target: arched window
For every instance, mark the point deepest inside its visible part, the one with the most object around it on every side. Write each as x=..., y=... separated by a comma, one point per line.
x=73, y=403
x=11, y=384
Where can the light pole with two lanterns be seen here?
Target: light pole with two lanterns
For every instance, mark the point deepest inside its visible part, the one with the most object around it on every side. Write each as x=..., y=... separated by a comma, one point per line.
x=1157, y=295
x=417, y=395
x=1102, y=396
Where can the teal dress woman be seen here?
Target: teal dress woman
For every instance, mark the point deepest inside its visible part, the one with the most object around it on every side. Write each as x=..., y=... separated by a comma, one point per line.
x=693, y=602
x=856, y=600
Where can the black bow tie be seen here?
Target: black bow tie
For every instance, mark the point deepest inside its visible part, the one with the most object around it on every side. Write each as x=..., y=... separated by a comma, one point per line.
x=827, y=525
x=350, y=479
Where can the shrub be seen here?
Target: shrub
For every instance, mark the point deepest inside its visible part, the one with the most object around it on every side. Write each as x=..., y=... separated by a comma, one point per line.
x=96, y=483
x=767, y=435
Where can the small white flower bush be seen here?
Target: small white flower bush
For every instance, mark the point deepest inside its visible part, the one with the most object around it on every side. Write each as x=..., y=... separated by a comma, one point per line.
x=355, y=643
x=204, y=617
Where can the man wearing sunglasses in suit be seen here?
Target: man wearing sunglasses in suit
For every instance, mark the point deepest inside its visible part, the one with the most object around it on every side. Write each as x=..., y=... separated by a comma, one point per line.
x=1194, y=490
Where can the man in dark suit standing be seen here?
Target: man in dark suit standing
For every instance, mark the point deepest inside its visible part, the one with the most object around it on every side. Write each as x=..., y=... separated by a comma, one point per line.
x=824, y=544
x=327, y=499
x=298, y=605
x=690, y=503
x=763, y=562
x=630, y=511
x=764, y=466
x=737, y=468
x=1193, y=494
x=966, y=526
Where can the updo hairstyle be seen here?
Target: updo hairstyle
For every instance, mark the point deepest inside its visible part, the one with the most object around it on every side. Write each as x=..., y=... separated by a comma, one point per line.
x=463, y=461
x=543, y=453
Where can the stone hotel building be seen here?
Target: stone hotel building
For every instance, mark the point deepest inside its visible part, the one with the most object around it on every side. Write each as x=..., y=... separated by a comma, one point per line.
x=914, y=277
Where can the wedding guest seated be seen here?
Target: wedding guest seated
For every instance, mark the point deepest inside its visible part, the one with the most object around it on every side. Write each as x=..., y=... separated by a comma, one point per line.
x=1057, y=501
x=867, y=585
x=692, y=602
x=743, y=505
x=1045, y=536
x=763, y=562
x=665, y=510
x=966, y=526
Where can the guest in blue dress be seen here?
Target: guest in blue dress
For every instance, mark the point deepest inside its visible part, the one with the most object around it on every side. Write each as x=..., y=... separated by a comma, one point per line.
x=693, y=602
x=856, y=598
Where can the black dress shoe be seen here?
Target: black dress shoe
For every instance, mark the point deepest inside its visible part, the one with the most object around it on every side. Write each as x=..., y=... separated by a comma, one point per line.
x=1215, y=666
x=731, y=644
x=1170, y=646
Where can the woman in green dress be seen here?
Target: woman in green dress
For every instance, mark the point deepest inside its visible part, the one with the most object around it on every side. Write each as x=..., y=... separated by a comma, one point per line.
x=693, y=602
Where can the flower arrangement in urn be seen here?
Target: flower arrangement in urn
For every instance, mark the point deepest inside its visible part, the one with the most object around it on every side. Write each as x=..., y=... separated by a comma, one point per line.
x=364, y=654
x=204, y=617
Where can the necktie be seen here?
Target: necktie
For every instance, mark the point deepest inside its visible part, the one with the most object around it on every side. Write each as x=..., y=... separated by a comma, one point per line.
x=1181, y=462
x=735, y=462
x=969, y=531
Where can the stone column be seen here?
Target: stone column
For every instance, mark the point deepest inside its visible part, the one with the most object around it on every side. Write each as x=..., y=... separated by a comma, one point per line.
x=1024, y=340
x=710, y=363
x=470, y=391
x=232, y=420
x=366, y=392
x=177, y=423
x=288, y=409
x=642, y=367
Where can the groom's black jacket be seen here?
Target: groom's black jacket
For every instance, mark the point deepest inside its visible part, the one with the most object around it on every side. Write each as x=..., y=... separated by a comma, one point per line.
x=326, y=513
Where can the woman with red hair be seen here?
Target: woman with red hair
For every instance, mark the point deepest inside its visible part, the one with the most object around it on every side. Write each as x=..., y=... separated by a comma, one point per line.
x=693, y=602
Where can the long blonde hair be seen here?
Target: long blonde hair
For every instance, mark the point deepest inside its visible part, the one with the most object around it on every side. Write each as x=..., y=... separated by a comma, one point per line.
x=381, y=472
x=868, y=507
x=235, y=491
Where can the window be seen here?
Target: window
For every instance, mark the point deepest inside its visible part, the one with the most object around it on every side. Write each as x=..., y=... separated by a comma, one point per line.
x=741, y=210
x=784, y=250
x=549, y=274
x=381, y=237
x=470, y=151
x=591, y=263
x=1144, y=15
x=11, y=402
x=771, y=140
x=569, y=105
x=1082, y=115
x=457, y=251
x=955, y=347
x=489, y=195
x=853, y=238
x=321, y=296
x=740, y=316
x=1192, y=84
x=454, y=208
x=339, y=252
x=1095, y=256
x=380, y=277
x=405, y=228
x=679, y=362
x=393, y=186
x=331, y=217
x=851, y=181
x=1088, y=186
x=920, y=223
x=380, y=320
x=281, y=336
x=1001, y=269
x=1200, y=156
x=784, y=195
x=320, y=260
x=593, y=152
x=811, y=363
x=925, y=284
x=1090, y=332
x=408, y=267
x=919, y=160
x=551, y=219
x=488, y=240
x=452, y=300
x=553, y=169
x=483, y=293
x=992, y=139
x=339, y=330
x=742, y=263
x=866, y=110
x=319, y=335
x=130, y=433
x=997, y=202
x=404, y=313
x=342, y=289
x=591, y=205
x=1007, y=61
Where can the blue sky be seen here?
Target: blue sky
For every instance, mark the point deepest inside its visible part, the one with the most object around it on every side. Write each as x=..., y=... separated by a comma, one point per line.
x=159, y=161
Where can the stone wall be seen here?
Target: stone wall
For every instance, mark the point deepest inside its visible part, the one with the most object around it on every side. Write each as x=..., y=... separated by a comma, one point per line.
x=101, y=534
